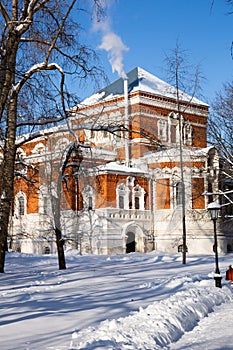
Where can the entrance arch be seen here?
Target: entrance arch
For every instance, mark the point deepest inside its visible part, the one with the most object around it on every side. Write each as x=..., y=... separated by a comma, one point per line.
x=133, y=238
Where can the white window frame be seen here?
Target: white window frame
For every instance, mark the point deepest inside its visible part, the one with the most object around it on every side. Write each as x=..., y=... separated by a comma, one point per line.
x=138, y=192
x=162, y=130
x=122, y=191
x=188, y=134
x=129, y=195
x=20, y=166
x=20, y=195
x=88, y=198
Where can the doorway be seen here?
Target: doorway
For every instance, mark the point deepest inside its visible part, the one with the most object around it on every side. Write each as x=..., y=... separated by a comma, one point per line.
x=130, y=243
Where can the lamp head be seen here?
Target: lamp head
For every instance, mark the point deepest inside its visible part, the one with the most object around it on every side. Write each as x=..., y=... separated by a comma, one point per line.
x=214, y=209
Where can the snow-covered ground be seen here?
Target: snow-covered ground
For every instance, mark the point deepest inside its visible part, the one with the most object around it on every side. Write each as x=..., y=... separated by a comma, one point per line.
x=134, y=301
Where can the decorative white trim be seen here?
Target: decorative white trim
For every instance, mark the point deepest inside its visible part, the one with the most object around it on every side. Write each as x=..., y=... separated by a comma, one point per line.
x=39, y=148
x=61, y=144
x=88, y=198
x=20, y=204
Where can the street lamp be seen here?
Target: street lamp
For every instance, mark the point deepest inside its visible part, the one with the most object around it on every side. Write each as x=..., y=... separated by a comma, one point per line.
x=214, y=209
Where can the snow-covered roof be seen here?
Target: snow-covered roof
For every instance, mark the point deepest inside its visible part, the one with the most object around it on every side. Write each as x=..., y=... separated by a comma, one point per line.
x=139, y=80
x=174, y=152
x=119, y=168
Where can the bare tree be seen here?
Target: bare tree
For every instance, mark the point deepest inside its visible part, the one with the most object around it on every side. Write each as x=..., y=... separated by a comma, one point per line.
x=220, y=134
x=40, y=46
x=186, y=79
x=71, y=152
x=229, y=12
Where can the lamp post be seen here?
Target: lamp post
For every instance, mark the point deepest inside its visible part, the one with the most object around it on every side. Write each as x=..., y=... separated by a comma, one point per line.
x=214, y=209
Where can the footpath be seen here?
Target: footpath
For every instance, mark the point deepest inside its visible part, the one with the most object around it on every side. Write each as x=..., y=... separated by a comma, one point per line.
x=214, y=332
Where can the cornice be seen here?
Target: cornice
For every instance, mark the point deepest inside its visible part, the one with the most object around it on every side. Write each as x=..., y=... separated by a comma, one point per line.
x=140, y=98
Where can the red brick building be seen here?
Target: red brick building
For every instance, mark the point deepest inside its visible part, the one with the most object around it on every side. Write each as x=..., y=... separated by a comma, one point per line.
x=125, y=192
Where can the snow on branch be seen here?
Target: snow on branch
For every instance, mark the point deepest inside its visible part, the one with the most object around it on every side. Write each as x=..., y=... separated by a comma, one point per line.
x=35, y=69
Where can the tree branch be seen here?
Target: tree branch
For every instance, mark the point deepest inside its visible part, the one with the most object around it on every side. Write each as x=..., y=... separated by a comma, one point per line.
x=4, y=12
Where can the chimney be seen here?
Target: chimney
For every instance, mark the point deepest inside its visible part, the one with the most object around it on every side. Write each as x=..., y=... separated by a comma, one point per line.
x=126, y=102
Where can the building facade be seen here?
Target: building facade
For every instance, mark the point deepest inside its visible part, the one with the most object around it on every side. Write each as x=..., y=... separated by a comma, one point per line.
x=142, y=165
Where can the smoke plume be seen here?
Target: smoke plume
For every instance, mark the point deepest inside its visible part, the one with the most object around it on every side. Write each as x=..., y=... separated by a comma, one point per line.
x=113, y=44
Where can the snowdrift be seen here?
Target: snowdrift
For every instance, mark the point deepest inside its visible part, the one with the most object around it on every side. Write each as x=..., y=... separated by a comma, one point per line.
x=159, y=324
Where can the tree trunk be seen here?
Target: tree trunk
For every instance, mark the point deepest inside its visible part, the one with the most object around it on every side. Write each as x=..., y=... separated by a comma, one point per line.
x=56, y=204
x=8, y=111
x=60, y=249
x=7, y=178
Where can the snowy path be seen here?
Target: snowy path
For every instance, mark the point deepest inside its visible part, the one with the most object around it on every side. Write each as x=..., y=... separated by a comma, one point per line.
x=135, y=301
x=214, y=332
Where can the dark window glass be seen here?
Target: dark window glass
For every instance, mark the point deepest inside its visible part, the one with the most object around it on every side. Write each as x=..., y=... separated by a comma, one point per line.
x=90, y=203
x=121, y=202
x=137, y=203
x=21, y=205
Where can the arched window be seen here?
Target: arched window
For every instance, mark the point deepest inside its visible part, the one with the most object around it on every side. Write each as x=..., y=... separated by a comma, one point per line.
x=121, y=202
x=138, y=198
x=129, y=197
x=20, y=161
x=188, y=134
x=88, y=198
x=122, y=196
x=137, y=203
x=20, y=204
x=162, y=129
x=90, y=203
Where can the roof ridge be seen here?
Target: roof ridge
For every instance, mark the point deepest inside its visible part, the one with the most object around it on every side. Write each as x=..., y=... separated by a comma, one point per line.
x=140, y=79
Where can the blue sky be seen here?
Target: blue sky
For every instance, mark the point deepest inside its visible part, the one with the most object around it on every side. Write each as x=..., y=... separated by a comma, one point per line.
x=151, y=28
